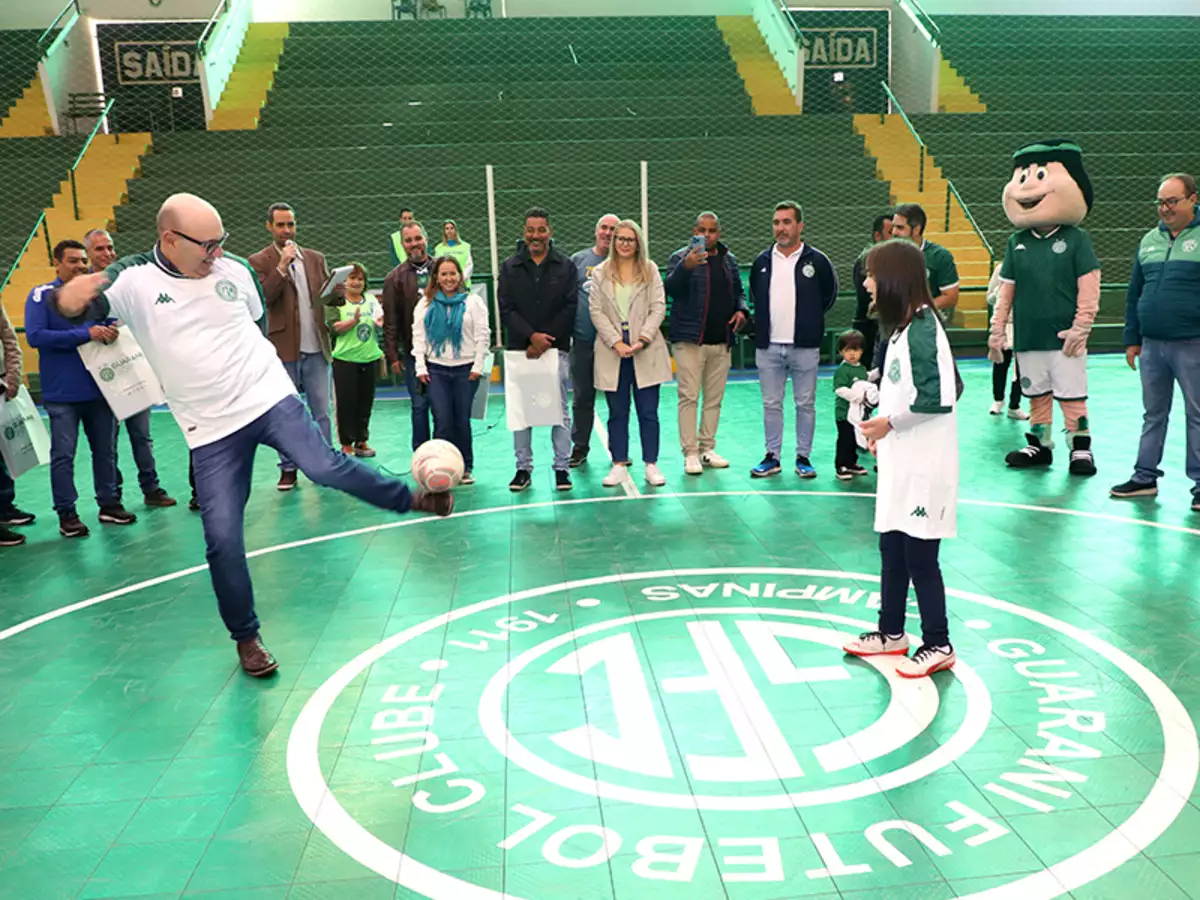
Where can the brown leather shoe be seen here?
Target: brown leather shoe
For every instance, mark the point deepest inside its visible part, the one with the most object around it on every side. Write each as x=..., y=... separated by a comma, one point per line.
x=441, y=504
x=256, y=659
x=287, y=479
x=363, y=451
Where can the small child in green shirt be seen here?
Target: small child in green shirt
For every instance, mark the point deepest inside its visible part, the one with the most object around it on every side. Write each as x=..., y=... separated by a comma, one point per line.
x=355, y=324
x=851, y=371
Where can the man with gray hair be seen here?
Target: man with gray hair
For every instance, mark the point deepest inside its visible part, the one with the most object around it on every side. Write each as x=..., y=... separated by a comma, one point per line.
x=1162, y=328
x=707, y=309
x=402, y=291
x=583, y=346
x=98, y=244
x=199, y=316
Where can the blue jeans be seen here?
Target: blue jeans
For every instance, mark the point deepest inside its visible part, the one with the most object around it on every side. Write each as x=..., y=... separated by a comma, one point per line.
x=310, y=375
x=100, y=426
x=646, y=401
x=775, y=364
x=8, y=489
x=1163, y=363
x=138, y=428
x=419, y=396
x=560, y=435
x=223, y=472
x=451, y=392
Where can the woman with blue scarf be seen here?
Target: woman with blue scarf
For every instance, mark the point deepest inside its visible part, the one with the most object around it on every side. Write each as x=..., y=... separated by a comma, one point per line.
x=450, y=341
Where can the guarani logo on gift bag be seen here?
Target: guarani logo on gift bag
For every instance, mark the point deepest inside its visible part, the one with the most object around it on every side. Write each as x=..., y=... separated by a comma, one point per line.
x=703, y=726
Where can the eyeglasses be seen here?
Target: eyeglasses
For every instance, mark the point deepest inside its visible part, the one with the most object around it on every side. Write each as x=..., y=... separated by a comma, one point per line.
x=209, y=247
x=622, y=239
x=1168, y=202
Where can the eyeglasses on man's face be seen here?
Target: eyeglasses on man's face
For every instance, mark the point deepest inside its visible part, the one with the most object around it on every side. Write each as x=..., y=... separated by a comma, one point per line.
x=210, y=247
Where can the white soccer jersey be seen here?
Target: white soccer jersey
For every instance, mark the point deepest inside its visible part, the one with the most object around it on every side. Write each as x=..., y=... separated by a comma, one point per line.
x=918, y=462
x=218, y=370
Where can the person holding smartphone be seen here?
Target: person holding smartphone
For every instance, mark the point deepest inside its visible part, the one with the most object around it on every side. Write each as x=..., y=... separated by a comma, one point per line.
x=707, y=309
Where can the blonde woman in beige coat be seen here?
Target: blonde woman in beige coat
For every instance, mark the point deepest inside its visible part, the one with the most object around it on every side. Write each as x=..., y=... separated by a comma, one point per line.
x=627, y=305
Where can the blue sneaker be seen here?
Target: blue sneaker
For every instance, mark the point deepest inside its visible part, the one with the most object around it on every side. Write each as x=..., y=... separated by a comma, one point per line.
x=769, y=466
x=804, y=468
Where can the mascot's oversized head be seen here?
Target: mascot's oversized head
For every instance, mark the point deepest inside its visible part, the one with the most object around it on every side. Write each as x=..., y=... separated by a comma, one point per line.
x=1049, y=186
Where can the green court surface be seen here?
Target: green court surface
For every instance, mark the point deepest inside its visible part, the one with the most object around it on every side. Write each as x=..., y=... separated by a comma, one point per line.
x=614, y=694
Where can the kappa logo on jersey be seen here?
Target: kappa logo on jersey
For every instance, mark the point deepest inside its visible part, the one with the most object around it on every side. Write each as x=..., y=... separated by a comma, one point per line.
x=164, y=298
x=919, y=513
x=1060, y=246
x=719, y=694
x=894, y=371
x=1019, y=247
x=226, y=290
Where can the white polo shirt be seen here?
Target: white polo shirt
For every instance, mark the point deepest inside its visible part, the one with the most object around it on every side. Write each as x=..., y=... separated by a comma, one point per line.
x=783, y=295
x=218, y=370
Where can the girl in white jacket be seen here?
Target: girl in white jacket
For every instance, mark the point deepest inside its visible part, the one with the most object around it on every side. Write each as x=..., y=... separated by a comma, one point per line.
x=450, y=341
x=915, y=436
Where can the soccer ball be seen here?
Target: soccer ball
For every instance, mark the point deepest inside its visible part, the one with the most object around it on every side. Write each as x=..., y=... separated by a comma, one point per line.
x=437, y=466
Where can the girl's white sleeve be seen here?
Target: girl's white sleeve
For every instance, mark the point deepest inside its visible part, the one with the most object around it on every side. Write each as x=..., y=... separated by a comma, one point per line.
x=419, y=347
x=482, y=335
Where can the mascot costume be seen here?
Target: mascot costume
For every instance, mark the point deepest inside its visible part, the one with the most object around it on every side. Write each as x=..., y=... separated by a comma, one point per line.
x=1050, y=285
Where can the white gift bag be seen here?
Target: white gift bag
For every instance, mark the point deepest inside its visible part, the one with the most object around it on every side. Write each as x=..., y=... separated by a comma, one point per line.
x=479, y=402
x=24, y=441
x=532, y=393
x=123, y=374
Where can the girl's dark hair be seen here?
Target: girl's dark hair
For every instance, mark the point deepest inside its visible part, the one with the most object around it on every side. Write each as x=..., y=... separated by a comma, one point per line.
x=901, y=282
x=357, y=268
x=433, y=287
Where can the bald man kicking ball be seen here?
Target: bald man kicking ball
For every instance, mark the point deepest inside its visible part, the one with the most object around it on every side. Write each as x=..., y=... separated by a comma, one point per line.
x=197, y=313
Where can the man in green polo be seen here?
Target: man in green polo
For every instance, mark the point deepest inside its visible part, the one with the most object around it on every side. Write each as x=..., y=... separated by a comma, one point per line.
x=908, y=221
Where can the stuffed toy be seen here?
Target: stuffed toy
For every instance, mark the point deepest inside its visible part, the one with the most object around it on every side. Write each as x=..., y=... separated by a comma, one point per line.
x=1050, y=285
x=863, y=397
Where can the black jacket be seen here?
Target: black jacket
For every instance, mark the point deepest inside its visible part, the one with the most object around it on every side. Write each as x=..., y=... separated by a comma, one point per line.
x=529, y=304
x=816, y=291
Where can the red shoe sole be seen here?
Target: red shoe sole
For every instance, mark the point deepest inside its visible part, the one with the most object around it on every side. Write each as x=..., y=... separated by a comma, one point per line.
x=859, y=654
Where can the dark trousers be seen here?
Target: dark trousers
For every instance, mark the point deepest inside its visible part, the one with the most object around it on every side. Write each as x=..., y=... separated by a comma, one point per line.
x=8, y=489
x=419, y=396
x=583, y=389
x=223, y=474
x=138, y=428
x=1000, y=379
x=912, y=560
x=870, y=333
x=646, y=401
x=100, y=426
x=354, y=384
x=451, y=392
x=847, y=445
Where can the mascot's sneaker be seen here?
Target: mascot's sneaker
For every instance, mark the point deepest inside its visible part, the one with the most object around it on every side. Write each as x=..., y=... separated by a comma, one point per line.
x=1082, y=461
x=1034, y=454
x=926, y=661
x=876, y=643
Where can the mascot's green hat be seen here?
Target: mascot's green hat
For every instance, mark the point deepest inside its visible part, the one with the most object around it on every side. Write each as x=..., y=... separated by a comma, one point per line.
x=1066, y=152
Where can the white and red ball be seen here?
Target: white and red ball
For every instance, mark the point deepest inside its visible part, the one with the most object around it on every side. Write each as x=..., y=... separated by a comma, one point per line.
x=437, y=466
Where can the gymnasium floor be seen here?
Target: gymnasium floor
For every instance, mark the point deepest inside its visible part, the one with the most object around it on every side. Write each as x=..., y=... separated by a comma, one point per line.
x=604, y=695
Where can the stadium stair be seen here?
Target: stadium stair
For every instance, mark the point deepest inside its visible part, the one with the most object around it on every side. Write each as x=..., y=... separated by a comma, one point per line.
x=253, y=76
x=897, y=156
x=764, y=82
x=954, y=94
x=28, y=116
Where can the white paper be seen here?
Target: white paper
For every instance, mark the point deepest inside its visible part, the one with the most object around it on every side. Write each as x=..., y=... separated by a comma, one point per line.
x=336, y=277
x=123, y=374
x=532, y=393
x=24, y=441
x=479, y=402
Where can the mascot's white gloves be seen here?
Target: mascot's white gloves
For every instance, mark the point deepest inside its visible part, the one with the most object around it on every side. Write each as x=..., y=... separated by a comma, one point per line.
x=1075, y=338
x=1004, y=302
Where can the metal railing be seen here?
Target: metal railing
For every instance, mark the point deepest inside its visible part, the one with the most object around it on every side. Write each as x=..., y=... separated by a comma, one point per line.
x=962, y=204
x=86, y=144
x=893, y=102
x=71, y=4
x=45, y=227
x=222, y=8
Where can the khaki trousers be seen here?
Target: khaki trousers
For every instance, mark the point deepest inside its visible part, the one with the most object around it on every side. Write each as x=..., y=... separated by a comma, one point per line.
x=700, y=367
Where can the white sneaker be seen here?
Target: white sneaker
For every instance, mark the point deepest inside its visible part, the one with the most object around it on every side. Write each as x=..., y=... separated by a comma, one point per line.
x=876, y=643
x=997, y=408
x=1018, y=414
x=654, y=477
x=713, y=460
x=691, y=465
x=926, y=661
x=615, y=477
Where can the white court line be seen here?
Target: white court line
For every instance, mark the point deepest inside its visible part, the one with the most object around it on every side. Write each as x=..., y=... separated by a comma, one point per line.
x=627, y=484
x=14, y=630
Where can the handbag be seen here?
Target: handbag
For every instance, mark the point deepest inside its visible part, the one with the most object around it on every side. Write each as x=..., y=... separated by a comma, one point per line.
x=123, y=374
x=532, y=392
x=24, y=441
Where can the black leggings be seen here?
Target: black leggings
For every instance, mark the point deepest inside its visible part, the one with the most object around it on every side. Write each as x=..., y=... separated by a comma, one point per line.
x=1000, y=379
x=912, y=560
x=355, y=386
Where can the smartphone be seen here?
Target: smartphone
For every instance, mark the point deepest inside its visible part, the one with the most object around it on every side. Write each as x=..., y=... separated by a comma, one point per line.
x=698, y=243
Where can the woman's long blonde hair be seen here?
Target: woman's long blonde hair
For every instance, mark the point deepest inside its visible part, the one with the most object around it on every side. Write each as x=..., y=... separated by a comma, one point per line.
x=644, y=269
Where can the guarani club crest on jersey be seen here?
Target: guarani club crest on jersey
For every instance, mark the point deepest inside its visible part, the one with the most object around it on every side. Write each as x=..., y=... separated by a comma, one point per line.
x=226, y=290
x=703, y=727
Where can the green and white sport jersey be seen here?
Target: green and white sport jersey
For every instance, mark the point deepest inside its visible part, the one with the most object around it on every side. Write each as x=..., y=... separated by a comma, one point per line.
x=218, y=370
x=1045, y=270
x=940, y=269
